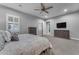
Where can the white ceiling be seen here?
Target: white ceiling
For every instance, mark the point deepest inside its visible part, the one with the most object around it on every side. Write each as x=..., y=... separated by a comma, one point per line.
x=58, y=8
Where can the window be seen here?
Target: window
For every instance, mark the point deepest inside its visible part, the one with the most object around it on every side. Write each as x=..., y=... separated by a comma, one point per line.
x=13, y=23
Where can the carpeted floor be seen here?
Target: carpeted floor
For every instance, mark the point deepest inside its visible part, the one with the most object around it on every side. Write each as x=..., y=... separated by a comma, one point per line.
x=64, y=46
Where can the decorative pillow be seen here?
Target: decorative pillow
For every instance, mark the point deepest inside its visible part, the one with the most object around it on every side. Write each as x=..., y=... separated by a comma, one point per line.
x=14, y=37
x=2, y=33
x=6, y=36
x=2, y=42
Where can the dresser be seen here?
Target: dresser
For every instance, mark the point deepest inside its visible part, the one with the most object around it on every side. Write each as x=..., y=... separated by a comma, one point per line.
x=32, y=30
x=62, y=33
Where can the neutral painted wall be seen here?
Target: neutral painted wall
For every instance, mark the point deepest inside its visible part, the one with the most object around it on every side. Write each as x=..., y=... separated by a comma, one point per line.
x=26, y=20
x=72, y=24
x=29, y=20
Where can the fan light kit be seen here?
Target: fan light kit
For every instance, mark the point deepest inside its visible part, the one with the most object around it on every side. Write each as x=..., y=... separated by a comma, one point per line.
x=46, y=16
x=65, y=10
x=44, y=8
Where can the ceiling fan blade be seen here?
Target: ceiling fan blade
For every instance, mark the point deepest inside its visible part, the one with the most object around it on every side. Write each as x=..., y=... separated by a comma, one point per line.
x=42, y=5
x=49, y=7
x=37, y=9
x=46, y=11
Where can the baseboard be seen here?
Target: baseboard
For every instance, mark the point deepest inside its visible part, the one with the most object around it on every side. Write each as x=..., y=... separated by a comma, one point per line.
x=72, y=38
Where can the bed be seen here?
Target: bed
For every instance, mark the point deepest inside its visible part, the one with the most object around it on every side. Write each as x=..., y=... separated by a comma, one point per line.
x=27, y=45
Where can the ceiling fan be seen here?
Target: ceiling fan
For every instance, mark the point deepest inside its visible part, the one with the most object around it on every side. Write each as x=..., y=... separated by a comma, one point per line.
x=44, y=8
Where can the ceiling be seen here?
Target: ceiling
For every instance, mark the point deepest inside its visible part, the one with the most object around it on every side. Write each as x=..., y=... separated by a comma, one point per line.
x=58, y=8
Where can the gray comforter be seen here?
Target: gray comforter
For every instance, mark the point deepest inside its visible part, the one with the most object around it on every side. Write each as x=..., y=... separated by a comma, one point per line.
x=27, y=45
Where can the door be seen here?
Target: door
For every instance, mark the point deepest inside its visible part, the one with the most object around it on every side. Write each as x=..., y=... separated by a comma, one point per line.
x=48, y=27
x=40, y=29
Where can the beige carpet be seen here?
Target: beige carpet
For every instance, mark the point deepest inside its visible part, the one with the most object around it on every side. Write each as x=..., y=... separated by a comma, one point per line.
x=64, y=46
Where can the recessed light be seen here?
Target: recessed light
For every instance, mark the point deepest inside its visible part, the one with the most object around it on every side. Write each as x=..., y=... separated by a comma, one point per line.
x=65, y=10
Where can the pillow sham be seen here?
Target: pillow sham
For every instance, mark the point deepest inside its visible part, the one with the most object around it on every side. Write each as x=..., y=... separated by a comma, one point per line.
x=14, y=37
x=2, y=42
x=7, y=36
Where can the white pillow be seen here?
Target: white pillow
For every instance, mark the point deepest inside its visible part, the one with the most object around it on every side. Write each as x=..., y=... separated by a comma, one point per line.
x=2, y=42
x=7, y=36
x=2, y=32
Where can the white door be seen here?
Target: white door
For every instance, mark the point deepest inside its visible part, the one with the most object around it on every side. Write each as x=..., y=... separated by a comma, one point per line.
x=40, y=29
x=48, y=27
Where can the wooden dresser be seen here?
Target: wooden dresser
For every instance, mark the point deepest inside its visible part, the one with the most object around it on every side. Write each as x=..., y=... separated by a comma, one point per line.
x=62, y=34
x=32, y=30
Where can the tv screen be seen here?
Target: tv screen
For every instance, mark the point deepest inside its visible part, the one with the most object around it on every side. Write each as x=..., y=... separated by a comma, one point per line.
x=61, y=25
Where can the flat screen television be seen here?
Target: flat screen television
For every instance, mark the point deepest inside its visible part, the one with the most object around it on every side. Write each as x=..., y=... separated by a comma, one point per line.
x=61, y=25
